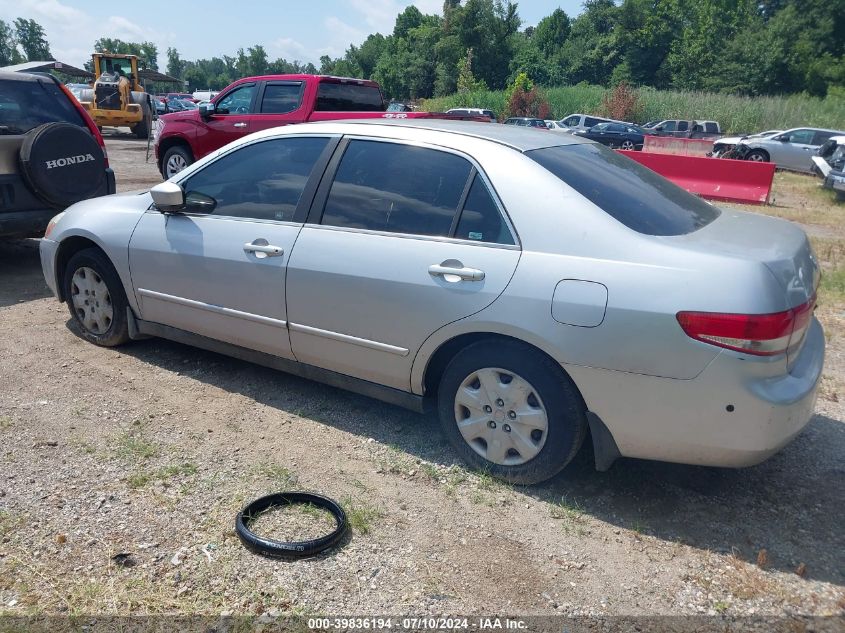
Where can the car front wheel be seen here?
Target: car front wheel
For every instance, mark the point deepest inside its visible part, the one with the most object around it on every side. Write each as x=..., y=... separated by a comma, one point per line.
x=757, y=156
x=511, y=411
x=96, y=299
x=175, y=160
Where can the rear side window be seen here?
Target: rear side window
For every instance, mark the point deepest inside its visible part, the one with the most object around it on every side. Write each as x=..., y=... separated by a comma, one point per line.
x=683, y=126
x=339, y=97
x=711, y=128
x=821, y=137
x=281, y=98
x=396, y=188
x=634, y=195
x=261, y=181
x=25, y=105
x=481, y=220
x=590, y=121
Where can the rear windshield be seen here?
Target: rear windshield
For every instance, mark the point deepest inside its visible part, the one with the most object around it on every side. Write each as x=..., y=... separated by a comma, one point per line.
x=634, y=195
x=25, y=105
x=332, y=97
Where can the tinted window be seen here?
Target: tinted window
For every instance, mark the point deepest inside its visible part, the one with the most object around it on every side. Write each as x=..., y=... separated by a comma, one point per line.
x=571, y=121
x=480, y=219
x=236, y=102
x=590, y=121
x=263, y=181
x=397, y=188
x=332, y=97
x=683, y=126
x=631, y=193
x=601, y=127
x=711, y=128
x=821, y=137
x=25, y=105
x=616, y=128
x=669, y=126
x=281, y=98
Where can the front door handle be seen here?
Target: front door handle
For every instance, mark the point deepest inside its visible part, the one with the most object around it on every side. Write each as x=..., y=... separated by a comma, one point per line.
x=454, y=272
x=261, y=249
x=240, y=124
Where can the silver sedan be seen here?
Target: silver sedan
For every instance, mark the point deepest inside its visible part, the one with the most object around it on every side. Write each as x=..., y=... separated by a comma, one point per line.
x=529, y=288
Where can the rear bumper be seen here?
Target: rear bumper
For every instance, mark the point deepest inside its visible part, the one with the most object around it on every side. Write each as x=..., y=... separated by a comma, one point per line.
x=731, y=415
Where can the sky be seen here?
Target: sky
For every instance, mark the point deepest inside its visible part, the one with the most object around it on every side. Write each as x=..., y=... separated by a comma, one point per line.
x=292, y=29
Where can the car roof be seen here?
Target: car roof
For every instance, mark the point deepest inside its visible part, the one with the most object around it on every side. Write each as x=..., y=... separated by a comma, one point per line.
x=520, y=139
x=6, y=75
x=814, y=129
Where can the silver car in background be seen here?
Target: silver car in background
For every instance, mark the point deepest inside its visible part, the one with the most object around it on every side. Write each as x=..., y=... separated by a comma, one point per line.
x=792, y=149
x=528, y=287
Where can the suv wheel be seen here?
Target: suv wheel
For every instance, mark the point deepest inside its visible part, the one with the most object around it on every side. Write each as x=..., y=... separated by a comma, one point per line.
x=175, y=160
x=511, y=411
x=96, y=298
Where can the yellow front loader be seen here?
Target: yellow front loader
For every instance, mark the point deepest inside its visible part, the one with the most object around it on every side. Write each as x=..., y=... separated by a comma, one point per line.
x=117, y=97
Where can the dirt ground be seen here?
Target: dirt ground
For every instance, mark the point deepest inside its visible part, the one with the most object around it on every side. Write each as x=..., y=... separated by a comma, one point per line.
x=121, y=472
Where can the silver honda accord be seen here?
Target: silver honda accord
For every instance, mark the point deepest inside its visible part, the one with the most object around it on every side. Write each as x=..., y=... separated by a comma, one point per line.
x=531, y=288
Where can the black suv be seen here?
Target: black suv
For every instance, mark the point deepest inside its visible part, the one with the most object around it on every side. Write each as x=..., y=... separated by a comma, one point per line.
x=51, y=153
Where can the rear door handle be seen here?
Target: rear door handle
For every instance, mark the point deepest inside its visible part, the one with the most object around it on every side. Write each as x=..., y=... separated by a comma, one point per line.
x=263, y=250
x=454, y=274
x=240, y=124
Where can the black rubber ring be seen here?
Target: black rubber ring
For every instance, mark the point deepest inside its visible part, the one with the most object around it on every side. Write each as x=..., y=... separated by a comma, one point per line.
x=293, y=549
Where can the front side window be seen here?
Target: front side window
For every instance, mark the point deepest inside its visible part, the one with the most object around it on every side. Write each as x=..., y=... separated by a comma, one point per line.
x=397, y=188
x=571, y=121
x=281, y=98
x=669, y=126
x=804, y=137
x=262, y=181
x=632, y=194
x=238, y=101
x=590, y=121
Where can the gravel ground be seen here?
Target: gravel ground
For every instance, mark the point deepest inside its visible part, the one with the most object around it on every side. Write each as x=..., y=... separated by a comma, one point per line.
x=121, y=472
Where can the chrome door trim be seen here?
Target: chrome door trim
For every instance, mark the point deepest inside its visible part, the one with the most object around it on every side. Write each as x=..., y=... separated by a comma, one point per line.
x=209, y=307
x=346, y=338
x=414, y=236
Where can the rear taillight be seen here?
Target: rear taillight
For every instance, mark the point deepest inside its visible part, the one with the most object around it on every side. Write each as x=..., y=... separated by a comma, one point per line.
x=757, y=334
x=89, y=122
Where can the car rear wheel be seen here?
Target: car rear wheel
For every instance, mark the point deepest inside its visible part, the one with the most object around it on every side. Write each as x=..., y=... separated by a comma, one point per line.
x=96, y=299
x=511, y=411
x=758, y=156
x=175, y=160
x=626, y=144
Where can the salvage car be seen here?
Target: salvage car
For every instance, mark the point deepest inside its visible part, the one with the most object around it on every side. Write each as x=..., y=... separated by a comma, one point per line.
x=431, y=264
x=792, y=149
x=51, y=153
x=725, y=147
x=616, y=135
x=584, y=122
x=686, y=129
x=830, y=156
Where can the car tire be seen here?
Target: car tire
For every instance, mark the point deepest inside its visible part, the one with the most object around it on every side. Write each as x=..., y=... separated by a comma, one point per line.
x=628, y=145
x=175, y=160
x=757, y=156
x=96, y=298
x=525, y=432
x=142, y=128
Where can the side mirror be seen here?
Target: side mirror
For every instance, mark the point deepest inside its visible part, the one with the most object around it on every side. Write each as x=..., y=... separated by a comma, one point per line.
x=782, y=139
x=168, y=197
x=196, y=202
x=206, y=109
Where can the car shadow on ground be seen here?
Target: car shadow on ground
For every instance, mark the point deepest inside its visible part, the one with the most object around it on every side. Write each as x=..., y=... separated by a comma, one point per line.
x=791, y=505
x=20, y=272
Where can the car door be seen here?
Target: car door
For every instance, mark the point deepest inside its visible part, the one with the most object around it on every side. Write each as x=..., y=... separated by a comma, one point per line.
x=402, y=240
x=614, y=134
x=218, y=268
x=278, y=103
x=793, y=149
x=230, y=120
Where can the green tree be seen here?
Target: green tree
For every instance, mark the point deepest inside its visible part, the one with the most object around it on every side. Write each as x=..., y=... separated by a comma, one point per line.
x=32, y=39
x=175, y=65
x=551, y=32
x=466, y=80
x=9, y=53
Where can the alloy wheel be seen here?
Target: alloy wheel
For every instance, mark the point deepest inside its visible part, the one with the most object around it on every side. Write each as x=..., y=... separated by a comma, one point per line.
x=175, y=164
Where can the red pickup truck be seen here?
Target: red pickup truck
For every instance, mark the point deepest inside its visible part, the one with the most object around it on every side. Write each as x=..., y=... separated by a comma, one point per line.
x=258, y=103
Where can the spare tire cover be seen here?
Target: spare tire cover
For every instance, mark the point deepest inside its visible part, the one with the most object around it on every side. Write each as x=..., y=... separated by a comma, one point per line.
x=62, y=163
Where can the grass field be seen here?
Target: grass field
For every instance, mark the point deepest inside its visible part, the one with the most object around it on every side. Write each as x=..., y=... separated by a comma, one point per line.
x=736, y=114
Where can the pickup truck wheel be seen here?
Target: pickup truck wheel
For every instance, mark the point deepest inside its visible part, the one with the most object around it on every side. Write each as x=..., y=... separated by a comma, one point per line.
x=511, y=411
x=175, y=160
x=757, y=156
x=96, y=298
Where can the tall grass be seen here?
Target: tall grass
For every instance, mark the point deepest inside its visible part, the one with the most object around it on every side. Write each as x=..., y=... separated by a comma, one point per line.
x=736, y=114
